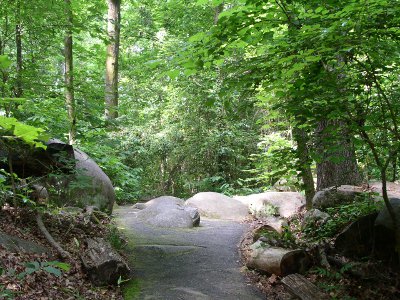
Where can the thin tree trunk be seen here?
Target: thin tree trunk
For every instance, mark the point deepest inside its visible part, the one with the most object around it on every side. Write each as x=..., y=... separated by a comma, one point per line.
x=300, y=136
x=111, y=78
x=394, y=166
x=337, y=163
x=18, y=43
x=69, y=76
x=217, y=11
x=4, y=74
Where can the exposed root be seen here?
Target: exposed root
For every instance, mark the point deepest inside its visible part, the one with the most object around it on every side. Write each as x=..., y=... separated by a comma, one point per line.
x=64, y=254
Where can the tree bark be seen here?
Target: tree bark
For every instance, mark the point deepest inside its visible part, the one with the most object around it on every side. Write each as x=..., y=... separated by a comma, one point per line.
x=300, y=136
x=69, y=76
x=111, y=76
x=278, y=261
x=102, y=263
x=217, y=11
x=337, y=163
x=302, y=288
x=394, y=167
x=18, y=43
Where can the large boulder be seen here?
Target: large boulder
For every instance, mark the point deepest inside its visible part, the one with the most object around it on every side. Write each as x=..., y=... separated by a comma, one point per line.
x=393, y=189
x=218, y=206
x=284, y=204
x=333, y=196
x=16, y=244
x=90, y=186
x=75, y=179
x=167, y=211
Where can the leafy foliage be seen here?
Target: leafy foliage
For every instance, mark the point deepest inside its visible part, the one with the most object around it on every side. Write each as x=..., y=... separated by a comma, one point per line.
x=340, y=217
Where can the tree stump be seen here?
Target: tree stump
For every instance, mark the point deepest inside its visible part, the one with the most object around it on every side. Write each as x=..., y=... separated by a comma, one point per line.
x=278, y=261
x=102, y=263
x=302, y=288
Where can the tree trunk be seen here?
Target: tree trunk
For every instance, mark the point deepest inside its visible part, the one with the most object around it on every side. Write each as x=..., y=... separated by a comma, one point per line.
x=300, y=136
x=111, y=83
x=18, y=43
x=217, y=11
x=337, y=163
x=278, y=261
x=69, y=76
x=394, y=167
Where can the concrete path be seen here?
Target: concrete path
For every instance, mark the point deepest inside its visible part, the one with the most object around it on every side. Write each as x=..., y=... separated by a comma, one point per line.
x=187, y=264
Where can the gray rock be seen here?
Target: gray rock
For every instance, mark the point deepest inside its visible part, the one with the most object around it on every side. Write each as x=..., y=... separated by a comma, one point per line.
x=218, y=206
x=336, y=195
x=16, y=244
x=167, y=211
x=91, y=187
x=393, y=188
x=79, y=180
x=39, y=193
x=139, y=205
x=277, y=223
x=314, y=216
x=284, y=204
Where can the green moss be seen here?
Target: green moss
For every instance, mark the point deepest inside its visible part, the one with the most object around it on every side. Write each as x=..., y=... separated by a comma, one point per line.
x=131, y=289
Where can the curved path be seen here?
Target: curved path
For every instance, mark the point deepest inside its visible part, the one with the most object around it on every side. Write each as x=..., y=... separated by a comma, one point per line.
x=187, y=264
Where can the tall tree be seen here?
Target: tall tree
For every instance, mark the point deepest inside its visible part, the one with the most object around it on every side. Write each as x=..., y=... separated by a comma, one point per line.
x=337, y=164
x=18, y=43
x=111, y=84
x=69, y=76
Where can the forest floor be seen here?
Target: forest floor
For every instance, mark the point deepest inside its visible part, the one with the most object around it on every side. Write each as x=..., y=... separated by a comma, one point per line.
x=184, y=264
x=29, y=276
x=376, y=280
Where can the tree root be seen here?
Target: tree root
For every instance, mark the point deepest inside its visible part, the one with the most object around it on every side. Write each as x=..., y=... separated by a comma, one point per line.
x=64, y=254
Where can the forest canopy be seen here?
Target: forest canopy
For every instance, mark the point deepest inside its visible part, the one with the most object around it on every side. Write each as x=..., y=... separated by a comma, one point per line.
x=176, y=97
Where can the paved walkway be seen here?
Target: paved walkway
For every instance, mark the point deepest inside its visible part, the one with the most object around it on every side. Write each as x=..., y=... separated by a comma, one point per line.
x=187, y=264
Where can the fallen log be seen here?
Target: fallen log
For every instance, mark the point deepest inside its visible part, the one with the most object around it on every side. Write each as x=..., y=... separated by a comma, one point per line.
x=302, y=288
x=102, y=263
x=278, y=261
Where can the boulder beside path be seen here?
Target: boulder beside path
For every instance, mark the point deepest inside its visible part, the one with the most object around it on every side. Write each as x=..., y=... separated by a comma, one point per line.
x=169, y=212
x=218, y=206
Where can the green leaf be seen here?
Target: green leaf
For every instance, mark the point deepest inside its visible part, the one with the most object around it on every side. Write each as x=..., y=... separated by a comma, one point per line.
x=34, y=265
x=5, y=62
x=27, y=133
x=8, y=100
x=197, y=37
x=52, y=270
x=63, y=266
x=173, y=74
x=189, y=72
